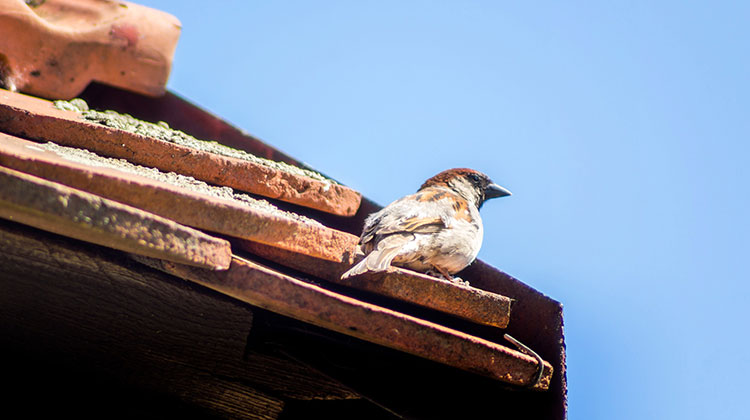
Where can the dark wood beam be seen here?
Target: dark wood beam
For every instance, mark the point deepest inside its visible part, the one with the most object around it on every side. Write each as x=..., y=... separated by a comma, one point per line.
x=90, y=314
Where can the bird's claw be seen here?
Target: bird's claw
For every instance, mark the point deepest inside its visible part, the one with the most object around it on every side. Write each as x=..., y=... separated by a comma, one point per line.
x=459, y=281
x=452, y=279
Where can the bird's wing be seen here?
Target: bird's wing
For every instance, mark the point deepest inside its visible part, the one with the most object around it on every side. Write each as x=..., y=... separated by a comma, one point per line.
x=415, y=224
x=416, y=213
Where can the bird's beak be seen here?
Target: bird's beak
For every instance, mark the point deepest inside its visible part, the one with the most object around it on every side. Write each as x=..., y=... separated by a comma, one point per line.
x=493, y=191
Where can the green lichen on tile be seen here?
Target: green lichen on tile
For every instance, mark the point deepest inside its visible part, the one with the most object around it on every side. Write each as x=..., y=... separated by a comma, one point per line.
x=187, y=182
x=162, y=131
x=76, y=104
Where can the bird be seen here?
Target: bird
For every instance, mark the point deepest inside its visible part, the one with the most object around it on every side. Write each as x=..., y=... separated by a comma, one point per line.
x=437, y=230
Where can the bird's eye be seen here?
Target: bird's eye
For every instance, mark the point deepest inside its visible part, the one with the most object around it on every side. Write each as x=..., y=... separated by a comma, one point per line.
x=474, y=177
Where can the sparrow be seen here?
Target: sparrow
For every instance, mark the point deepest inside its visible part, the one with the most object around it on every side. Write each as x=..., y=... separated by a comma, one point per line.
x=437, y=230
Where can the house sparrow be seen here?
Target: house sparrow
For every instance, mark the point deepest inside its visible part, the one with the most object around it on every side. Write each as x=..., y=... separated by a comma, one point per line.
x=438, y=230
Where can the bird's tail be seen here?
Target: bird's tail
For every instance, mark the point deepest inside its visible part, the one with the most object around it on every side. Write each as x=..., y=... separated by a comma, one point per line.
x=377, y=260
x=381, y=257
x=358, y=269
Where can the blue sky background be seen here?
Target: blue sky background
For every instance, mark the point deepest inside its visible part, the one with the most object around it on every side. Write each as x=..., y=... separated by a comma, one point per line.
x=622, y=129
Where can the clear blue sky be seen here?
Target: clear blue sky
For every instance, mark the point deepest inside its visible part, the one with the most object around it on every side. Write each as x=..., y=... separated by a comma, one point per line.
x=622, y=128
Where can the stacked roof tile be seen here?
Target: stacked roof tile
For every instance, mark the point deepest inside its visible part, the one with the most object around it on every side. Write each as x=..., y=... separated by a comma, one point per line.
x=177, y=208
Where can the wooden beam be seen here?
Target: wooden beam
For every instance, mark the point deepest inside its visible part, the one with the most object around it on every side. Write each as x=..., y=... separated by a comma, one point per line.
x=88, y=309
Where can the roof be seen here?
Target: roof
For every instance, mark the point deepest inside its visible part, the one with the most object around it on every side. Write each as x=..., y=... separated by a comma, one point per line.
x=150, y=246
x=286, y=261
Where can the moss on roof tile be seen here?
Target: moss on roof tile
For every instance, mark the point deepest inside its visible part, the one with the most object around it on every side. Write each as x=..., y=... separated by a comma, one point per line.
x=162, y=131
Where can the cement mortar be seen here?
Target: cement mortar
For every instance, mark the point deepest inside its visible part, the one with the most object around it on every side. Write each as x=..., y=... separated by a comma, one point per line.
x=92, y=159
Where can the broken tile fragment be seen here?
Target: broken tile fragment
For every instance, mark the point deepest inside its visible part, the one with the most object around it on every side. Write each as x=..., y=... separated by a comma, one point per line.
x=54, y=49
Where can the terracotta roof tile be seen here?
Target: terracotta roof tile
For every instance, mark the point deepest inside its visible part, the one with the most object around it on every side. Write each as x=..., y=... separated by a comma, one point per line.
x=56, y=208
x=470, y=303
x=36, y=118
x=67, y=44
x=248, y=218
x=268, y=289
x=261, y=224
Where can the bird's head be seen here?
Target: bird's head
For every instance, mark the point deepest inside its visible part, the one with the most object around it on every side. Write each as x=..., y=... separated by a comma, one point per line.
x=472, y=185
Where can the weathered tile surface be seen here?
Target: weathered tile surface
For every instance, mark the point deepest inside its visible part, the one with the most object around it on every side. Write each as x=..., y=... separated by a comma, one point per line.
x=38, y=119
x=238, y=218
x=268, y=289
x=66, y=211
x=242, y=220
x=470, y=303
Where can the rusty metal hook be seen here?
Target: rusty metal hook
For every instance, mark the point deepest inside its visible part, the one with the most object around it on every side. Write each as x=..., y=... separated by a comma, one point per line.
x=523, y=348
